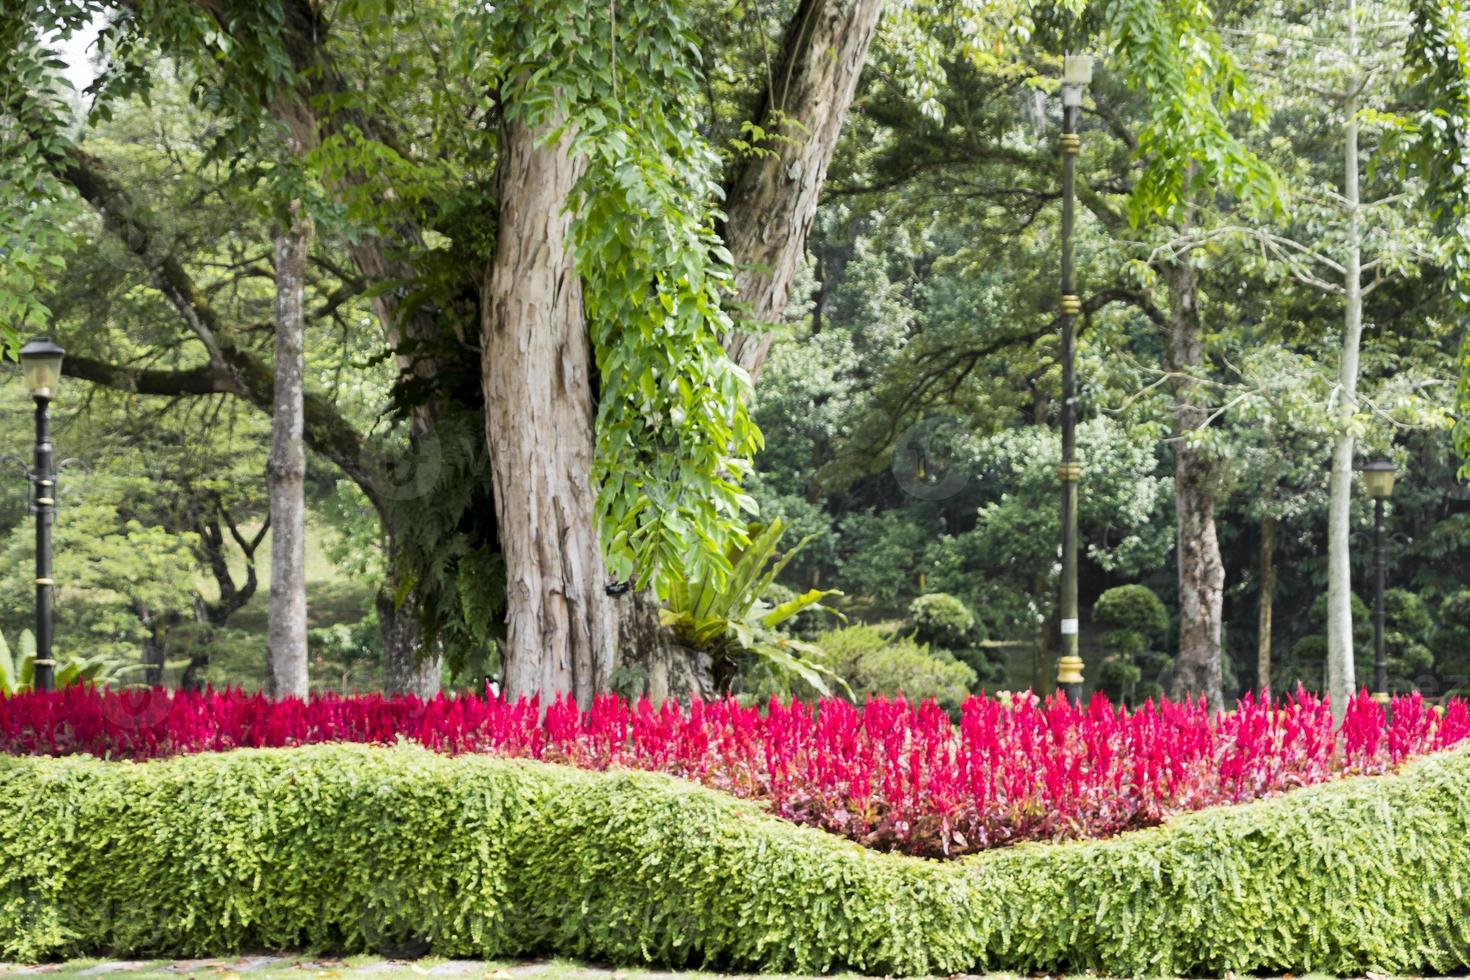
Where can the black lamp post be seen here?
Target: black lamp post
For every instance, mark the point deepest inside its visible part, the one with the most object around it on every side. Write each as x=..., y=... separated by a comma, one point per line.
x=41, y=362
x=1378, y=481
x=1076, y=74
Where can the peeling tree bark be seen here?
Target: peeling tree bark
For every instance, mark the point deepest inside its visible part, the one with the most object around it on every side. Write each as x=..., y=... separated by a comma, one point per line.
x=774, y=198
x=537, y=379
x=656, y=664
x=286, y=469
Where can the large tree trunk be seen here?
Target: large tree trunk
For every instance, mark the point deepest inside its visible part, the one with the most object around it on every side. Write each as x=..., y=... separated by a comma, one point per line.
x=650, y=661
x=1340, y=671
x=286, y=469
x=1266, y=603
x=563, y=631
x=1196, y=475
x=537, y=364
x=409, y=667
x=774, y=198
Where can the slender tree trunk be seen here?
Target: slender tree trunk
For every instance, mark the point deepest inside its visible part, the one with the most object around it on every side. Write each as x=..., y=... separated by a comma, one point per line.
x=286, y=469
x=1196, y=477
x=1266, y=603
x=411, y=661
x=775, y=196
x=155, y=645
x=1341, y=681
x=536, y=375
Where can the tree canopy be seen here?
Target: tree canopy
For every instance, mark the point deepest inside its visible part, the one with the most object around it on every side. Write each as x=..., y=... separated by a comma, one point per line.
x=595, y=287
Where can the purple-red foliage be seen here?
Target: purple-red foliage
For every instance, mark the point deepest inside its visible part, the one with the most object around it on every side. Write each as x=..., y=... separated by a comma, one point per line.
x=889, y=774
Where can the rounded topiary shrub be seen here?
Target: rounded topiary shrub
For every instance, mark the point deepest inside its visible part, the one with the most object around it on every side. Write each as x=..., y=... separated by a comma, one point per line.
x=942, y=620
x=841, y=648
x=1134, y=623
x=1406, y=638
x=1305, y=664
x=1134, y=608
x=1454, y=611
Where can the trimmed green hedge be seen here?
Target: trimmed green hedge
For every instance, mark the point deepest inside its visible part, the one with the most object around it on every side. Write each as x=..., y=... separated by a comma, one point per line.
x=356, y=848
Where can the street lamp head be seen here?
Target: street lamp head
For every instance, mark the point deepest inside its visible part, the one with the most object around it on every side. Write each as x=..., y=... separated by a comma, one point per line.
x=1076, y=76
x=1378, y=479
x=40, y=361
x=1077, y=69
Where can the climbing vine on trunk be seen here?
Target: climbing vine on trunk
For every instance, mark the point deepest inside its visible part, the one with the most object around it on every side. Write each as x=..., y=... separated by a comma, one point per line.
x=673, y=436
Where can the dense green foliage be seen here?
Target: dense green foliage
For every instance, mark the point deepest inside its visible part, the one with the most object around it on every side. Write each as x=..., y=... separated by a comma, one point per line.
x=911, y=417
x=872, y=662
x=673, y=434
x=947, y=625
x=1416, y=645
x=742, y=624
x=324, y=847
x=1439, y=59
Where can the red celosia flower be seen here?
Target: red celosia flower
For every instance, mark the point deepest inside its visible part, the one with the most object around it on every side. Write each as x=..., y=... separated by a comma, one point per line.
x=889, y=773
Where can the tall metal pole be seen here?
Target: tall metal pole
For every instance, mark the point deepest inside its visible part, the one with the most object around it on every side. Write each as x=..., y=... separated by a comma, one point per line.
x=1380, y=652
x=1069, y=666
x=45, y=666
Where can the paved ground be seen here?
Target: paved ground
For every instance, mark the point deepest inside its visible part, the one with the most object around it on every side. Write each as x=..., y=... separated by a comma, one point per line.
x=280, y=967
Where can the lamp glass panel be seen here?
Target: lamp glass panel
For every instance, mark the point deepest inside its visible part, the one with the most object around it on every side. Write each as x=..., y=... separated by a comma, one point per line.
x=42, y=375
x=1378, y=483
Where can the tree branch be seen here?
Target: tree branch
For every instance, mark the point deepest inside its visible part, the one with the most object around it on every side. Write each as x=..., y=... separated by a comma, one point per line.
x=232, y=369
x=203, y=380
x=774, y=197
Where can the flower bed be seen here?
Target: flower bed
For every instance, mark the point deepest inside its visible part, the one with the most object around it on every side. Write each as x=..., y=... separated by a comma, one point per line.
x=891, y=775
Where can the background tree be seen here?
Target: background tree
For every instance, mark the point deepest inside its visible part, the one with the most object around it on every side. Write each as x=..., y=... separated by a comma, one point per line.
x=286, y=465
